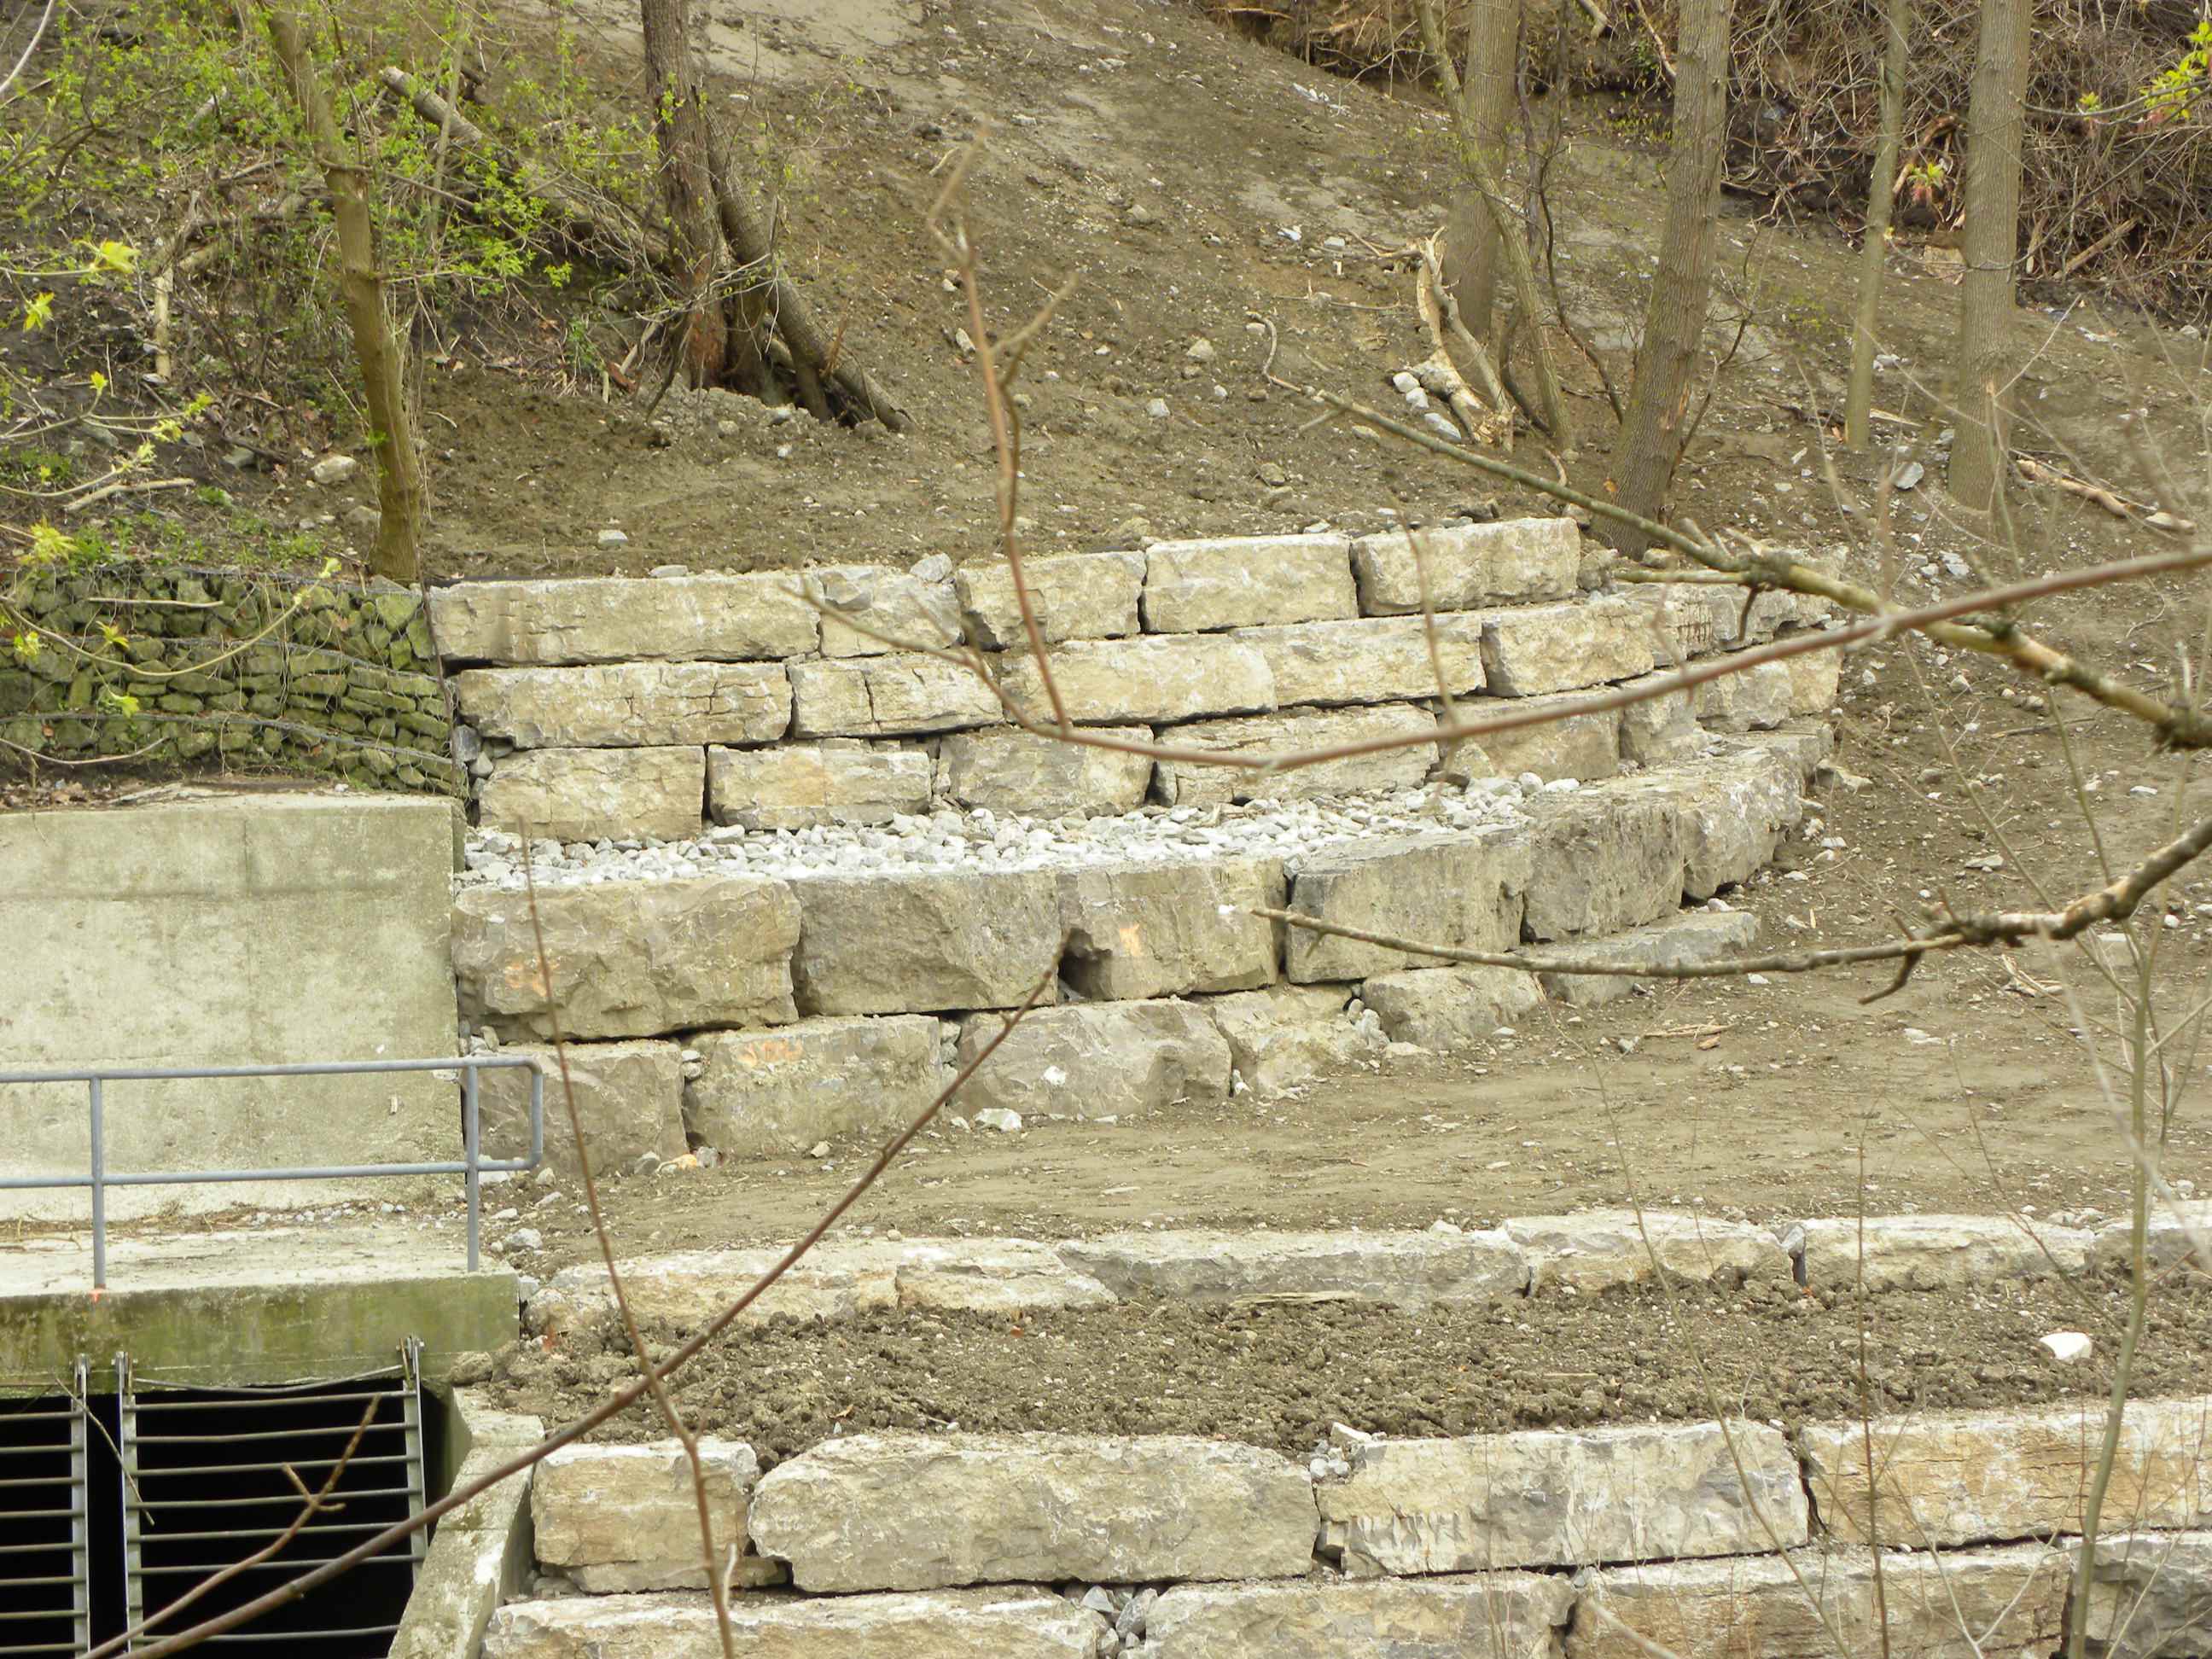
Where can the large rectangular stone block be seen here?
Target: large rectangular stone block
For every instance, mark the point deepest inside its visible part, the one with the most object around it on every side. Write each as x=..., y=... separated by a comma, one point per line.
x=1155, y=930
x=624, y=1519
x=891, y=610
x=1757, y=699
x=1563, y=1498
x=1099, y=1059
x=1569, y=740
x=1661, y=731
x=1450, y=1011
x=637, y=958
x=1692, y=938
x=916, y=1512
x=620, y=619
x=918, y=941
x=1736, y=810
x=627, y=704
x=888, y=695
x=1463, y=890
x=1009, y=770
x=1563, y=647
x=1504, y=1615
x=2150, y=1594
x=1974, y=1477
x=1965, y=1604
x=1468, y=565
x=792, y=786
x=1244, y=580
x=1370, y=660
x=1593, y=1251
x=2177, y=1232
x=763, y=1093
x=1284, y=1037
x=1386, y=1269
x=1939, y=1252
x=582, y=794
x=1813, y=678
x=1074, y=596
x=1147, y=681
x=1008, y=1624
x=1603, y=859
x=1261, y=737
x=630, y=1100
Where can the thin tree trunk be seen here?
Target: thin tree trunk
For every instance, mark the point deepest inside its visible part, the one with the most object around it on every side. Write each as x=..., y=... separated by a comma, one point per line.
x=1470, y=241
x=1858, y=401
x=1994, y=122
x=687, y=186
x=400, y=497
x=1652, y=436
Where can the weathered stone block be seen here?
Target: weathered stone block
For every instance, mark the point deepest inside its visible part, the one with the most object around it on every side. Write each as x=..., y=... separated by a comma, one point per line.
x=1449, y=1010
x=1564, y=743
x=619, y=1519
x=617, y=619
x=1099, y=1059
x=1755, y=700
x=1538, y=649
x=1736, y=809
x=1468, y=565
x=914, y=1512
x=1683, y=941
x=1154, y=930
x=1965, y=1604
x=1147, y=681
x=1813, y=678
x=627, y=958
x=1010, y=1624
x=1009, y=770
x=1373, y=660
x=1190, y=783
x=581, y=795
x=762, y=1093
x=909, y=613
x=1659, y=730
x=2150, y=1596
x=1387, y=1269
x=1075, y=596
x=2176, y=1233
x=1563, y=1498
x=1194, y=586
x=1505, y=1615
x=628, y=704
x=915, y=941
x=1287, y=1036
x=1603, y=859
x=1593, y=1251
x=1461, y=891
x=791, y=786
x=629, y=1097
x=888, y=695
x=1939, y=1252
x=1970, y=1477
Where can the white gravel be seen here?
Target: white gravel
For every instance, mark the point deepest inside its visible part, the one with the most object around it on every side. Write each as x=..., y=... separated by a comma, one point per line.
x=949, y=839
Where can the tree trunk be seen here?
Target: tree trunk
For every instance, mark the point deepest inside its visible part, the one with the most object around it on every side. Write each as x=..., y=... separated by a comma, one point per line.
x=1470, y=240
x=400, y=497
x=1994, y=123
x=1652, y=436
x=1858, y=401
x=681, y=135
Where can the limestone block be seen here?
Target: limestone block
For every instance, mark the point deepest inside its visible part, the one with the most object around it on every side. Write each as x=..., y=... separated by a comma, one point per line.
x=1147, y=681
x=763, y=1093
x=1813, y=678
x=627, y=958
x=1687, y=940
x=1939, y=1252
x=2177, y=1233
x=1756, y=699
x=1562, y=1498
x=1449, y=1010
x=581, y=795
x=1155, y=930
x=992, y=1275
x=619, y=1519
x=1962, y=1604
x=792, y=786
x=1593, y=1251
x=1386, y=1269
x=1009, y=1623
x=1099, y=1059
x=1659, y=730
x=1603, y=859
x=1009, y=770
x=1563, y=743
x=2150, y=1596
x=1259, y=736
x=629, y=1096
x=1694, y=619
x=1462, y=891
x=1245, y=580
x=1373, y=660
x=1075, y=596
x=1968, y=1477
x=1806, y=743
x=913, y=941
x=1468, y=565
x=1505, y=1615
x=907, y=612
x=481, y=1556
x=627, y=704
x=1735, y=810
x=1287, y=1036
x=592, y=619
x=887, y=695
x=1534, y=649
x=915, y=1512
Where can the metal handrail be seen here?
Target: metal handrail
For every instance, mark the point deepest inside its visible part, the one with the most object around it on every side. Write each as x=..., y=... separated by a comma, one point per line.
x=472, y=1164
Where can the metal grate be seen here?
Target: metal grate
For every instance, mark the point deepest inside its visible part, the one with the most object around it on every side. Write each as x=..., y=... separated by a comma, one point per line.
x=45, y=1588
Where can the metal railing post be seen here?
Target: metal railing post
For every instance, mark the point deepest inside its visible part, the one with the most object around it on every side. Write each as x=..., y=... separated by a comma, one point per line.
x=98, y=1190
x=469, y=1132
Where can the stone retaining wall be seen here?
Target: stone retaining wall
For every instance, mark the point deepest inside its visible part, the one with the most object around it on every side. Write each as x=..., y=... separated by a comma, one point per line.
x=248, y=670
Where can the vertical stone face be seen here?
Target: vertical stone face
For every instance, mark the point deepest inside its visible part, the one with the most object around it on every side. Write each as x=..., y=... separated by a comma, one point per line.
x=1396, y=1270
x=1813, y=678
x=621, y=1519
x=1195, y=586
x=1262, y=736
x=890, y=695
x=919, y=941
x=1736, y=810
x=1535, y=649
x=1449, y=1010
x=1009, y=1623
x=762, y=1093
x=627, y=705
x=595, y=619
x=1076, y=595
x=1564, y=743
x=1604, y=859
x=1146, y=681
x=1553, y=1498
x=629, y=1096
x=1661, y=731
x=1462, y=891
x=2150, y=1594
x=1009, y=770
x=1593, y=1251
x=1693, y=940
x=582, y=794
x=1505, y=1615
x=889, y=609
x=834, y=782
x=1099, y=1059
x=1157, y=930
x=1758, y=699
x=1374, y=660
x=1939, y=1252
x=1468, y=565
